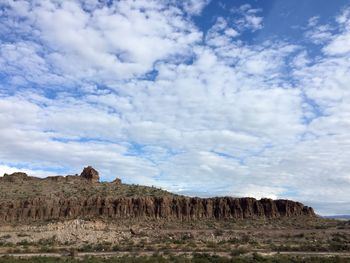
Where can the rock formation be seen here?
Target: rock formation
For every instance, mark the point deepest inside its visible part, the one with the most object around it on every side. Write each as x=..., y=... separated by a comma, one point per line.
x=117, y=181
x=93, y=200
x=90, y=174
x=183, y=208
x=18, y=176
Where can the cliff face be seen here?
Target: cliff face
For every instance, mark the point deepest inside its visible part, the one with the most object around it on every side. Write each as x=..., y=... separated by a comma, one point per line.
x=29, y=199
x=181, y=208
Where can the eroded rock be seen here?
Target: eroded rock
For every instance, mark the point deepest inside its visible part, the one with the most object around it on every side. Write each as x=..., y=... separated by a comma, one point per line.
x=117, y=181
x=17, y=176
x=174, y=208
x=79, y=199
x=90, y=174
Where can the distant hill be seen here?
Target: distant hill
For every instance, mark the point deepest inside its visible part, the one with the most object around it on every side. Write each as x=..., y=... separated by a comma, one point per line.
x=24, y=198
x=340, y=217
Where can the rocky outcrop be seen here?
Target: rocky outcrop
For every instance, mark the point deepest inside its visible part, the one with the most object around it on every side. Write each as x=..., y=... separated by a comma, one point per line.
x=117, y=181
x=172, y=208
x=29, y=199
x=15, y=177
x=90, y=174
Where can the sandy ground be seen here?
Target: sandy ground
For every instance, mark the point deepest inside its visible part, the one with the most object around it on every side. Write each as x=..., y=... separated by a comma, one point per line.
x=100, y=238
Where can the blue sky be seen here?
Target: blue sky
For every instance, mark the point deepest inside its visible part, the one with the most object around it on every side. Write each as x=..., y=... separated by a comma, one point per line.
x=239, y=98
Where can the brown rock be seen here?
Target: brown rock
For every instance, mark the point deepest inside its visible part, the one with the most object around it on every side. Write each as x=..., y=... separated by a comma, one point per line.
x=90, y=174
x=73, y=197
x=17, y=175
x=117, y=181
x=172, y=208
x=14, y=177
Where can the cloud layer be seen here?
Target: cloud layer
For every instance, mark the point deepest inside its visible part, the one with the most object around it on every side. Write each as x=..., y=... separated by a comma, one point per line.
x=138, y=90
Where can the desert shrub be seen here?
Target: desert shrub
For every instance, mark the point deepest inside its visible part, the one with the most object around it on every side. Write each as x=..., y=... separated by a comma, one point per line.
x=245, y=238
x=23, y=242
x=86, y=248
x=48, y=249
x=116, y=248
x=211, y=244
x=22, y=235
x=179, y=241
x=339, y=246
x=46, y=241
x=301, y=235
x=233, y=241
x=218, y=232
x=102, y=246
x=187, y=236
x=322, y=227
x=238, y=251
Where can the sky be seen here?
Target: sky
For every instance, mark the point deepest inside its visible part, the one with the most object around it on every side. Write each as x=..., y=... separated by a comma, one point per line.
x=198, y=97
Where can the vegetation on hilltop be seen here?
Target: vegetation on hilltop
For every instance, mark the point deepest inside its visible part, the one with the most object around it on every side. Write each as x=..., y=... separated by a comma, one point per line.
x=70, y=186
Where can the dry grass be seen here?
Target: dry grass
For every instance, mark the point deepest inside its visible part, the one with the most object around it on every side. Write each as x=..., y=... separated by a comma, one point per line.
x=173, y=236
x=69, y=186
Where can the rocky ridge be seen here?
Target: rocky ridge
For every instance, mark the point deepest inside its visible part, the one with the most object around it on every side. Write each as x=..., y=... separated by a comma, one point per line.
x=30, y=199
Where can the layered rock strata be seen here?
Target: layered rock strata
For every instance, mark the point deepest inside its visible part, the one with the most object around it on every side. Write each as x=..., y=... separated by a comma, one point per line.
x=172, y=207
x=183, y=208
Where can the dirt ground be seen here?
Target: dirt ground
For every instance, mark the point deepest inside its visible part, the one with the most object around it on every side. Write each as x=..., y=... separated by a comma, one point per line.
x=154, y=236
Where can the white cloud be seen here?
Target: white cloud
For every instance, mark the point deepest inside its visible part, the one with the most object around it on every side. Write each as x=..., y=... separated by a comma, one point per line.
x=254, y=22
x=194, y=7
x=301, y=60
x=319, y=34
x=231, y=32
x=340, y=42
x=242, y=19
x=107, y=44
x=247, y=18
x=313, y=21
x=339, y=45
x=344, y=17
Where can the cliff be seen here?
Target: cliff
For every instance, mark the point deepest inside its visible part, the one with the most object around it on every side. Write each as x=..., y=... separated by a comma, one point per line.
x=29, y=199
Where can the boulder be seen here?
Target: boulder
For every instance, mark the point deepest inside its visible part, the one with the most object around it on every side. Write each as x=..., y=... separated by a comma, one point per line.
x=90, y=174
x=117, y=181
